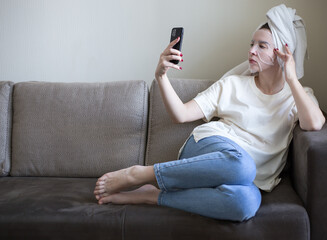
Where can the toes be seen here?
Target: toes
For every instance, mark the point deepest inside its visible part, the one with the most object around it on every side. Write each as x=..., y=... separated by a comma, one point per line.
x=100, y=183
x=101, y=195
x=99, y=187
x=105, y=200
x=97, y=192
x=103, y=178
x=104, y=195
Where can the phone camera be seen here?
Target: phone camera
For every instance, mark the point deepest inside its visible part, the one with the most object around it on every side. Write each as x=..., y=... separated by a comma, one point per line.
x=174, y=32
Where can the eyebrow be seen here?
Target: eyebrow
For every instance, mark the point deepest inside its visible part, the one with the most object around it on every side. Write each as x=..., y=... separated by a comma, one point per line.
x=264, y=42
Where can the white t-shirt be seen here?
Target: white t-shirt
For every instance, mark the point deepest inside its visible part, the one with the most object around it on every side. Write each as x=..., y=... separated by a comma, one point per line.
x=261, y=124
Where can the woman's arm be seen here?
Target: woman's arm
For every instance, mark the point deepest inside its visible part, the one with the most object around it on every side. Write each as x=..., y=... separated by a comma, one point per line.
x=178, y=111
x=310, y=115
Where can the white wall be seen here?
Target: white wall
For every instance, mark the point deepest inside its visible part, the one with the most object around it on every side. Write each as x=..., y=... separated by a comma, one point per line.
x=107, y=40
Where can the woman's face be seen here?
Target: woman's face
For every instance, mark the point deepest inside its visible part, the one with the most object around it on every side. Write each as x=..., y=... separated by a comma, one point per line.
x=261, y=53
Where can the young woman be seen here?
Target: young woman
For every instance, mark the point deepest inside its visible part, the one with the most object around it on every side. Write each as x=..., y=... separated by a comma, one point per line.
x=224, y=163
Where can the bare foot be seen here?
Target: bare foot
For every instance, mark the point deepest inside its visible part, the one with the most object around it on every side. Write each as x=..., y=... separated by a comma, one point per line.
x=117, y=181
x=147, y=194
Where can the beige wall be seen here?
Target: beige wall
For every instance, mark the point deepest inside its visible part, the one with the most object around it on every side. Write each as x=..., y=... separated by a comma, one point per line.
x=103, y=40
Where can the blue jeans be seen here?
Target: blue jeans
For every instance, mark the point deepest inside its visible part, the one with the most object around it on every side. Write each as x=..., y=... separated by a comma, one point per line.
x=214, y=178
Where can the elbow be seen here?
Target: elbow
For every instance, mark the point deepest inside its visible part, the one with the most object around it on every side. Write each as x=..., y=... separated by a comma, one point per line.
x=178, y=120
x=179, y=117
x=313, y=125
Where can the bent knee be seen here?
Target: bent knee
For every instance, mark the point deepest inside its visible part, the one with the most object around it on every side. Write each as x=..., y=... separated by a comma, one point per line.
x=248, y=202
x=245, y=201
x=246, y=169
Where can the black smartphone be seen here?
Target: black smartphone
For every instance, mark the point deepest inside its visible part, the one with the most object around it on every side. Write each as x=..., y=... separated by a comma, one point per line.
x=175, y=33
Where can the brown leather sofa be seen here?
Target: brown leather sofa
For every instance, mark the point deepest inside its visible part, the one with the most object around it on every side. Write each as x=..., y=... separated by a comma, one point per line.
x=56, y=139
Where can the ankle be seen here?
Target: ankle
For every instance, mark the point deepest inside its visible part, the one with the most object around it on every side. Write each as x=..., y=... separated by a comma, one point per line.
x=142, y=174
x=152, y=197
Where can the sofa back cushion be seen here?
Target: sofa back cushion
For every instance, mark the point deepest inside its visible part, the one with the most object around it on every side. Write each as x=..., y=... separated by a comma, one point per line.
x=5, y=126
x=78, y=129
x=165, y=138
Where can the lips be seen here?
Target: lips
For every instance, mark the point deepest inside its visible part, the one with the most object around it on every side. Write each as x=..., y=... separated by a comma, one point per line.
x=252, y=61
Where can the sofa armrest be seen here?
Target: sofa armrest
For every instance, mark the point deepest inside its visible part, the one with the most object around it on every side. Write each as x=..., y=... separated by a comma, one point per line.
x=309, y=175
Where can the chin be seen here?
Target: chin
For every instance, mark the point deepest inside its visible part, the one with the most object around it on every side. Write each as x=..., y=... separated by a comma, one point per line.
x=253, y=70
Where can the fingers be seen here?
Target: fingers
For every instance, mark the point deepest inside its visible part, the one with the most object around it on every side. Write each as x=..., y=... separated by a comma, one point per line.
x=167, y=64
x=175, y=66
x=281, y=54
x=173, y=57
x=171, y=54
x=172, y=51
x=173, y=42
x=166, y=56
x=287, y=49
x=172, y=65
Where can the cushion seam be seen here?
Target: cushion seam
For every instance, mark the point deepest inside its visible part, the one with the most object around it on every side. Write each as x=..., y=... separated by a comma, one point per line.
x=149, y=124
x=143, y=128
x=7, y=145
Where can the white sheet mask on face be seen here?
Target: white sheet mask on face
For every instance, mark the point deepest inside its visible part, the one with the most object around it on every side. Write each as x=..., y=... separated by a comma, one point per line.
x=262, y=49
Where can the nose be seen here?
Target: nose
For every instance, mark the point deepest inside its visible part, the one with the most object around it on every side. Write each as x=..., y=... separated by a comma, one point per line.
x=252, y=50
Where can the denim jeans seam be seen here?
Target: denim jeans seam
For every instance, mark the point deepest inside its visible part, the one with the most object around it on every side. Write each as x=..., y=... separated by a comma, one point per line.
x=230, y=142
x=234, y=146
x=195, y=161
x=158, y=174
x=160, y=197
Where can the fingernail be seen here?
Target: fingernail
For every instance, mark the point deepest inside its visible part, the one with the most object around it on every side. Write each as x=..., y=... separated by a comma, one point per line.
x=274, y=49
x=277, y=49
x=286, y=45
x=181, y=55
x=182, y=60
x=180, y=68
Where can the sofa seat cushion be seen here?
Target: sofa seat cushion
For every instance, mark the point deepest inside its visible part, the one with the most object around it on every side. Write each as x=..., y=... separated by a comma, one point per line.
x=65, y=208
x=281, y=216
x=56, y=208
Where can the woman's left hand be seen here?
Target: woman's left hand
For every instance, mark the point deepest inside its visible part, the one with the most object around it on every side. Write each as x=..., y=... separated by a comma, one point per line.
x=289, y=63
x=310, y=115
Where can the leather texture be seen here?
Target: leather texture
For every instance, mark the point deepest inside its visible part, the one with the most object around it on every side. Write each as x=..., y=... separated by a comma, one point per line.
x=281, y=216
x=65, y=208
x=5, y=126
x=78, y=129
x=56, y=208
x=309, y=171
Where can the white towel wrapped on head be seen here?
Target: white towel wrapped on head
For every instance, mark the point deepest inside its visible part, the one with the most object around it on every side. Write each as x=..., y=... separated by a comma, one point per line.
x=286, y=27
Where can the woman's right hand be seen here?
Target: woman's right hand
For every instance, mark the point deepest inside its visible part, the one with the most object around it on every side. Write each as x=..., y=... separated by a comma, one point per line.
x=164, y=61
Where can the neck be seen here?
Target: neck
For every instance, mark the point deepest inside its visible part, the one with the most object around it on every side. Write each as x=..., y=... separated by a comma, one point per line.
x=270, y=81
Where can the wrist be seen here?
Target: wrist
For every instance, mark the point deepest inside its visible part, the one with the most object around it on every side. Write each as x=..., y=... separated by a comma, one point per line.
x=160, y=77
x=291, y=80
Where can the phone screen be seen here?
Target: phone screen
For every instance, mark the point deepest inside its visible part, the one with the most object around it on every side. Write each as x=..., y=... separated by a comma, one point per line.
x=175, y=33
